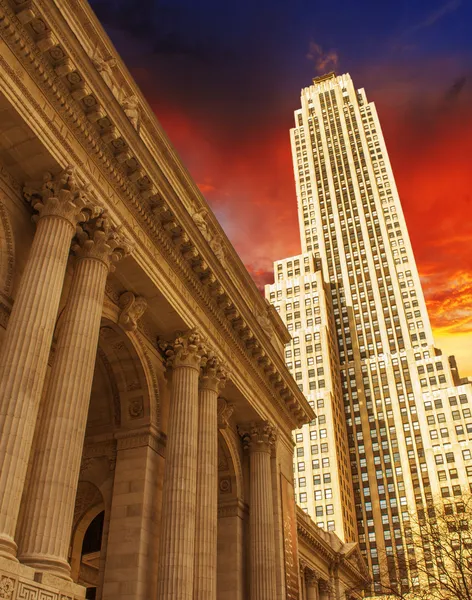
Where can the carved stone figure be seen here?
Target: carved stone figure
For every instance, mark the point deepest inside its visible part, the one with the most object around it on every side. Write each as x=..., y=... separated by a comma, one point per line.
x=216, y=244
x=105, y=68
x=131, y=108
x=199, y=218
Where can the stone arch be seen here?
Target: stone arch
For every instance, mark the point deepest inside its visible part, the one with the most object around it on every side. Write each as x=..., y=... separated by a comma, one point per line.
x=232, y=520
x=89, y=503
x=132, y=378
x=120, y=350
x=232, y=452
x=7, y=253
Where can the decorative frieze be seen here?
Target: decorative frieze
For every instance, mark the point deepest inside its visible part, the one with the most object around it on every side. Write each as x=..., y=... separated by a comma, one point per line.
x=135, y=178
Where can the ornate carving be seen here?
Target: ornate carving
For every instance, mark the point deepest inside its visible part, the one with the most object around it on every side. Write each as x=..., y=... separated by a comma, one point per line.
x=133, y=308
x=105, y=68
x=7, y=587
x=325, y=586
x=212, y=373
x=225, y=410
x=99, y=238
x=312, y=578
x=258, y=436
x=225, y=486
x=265, y=322
x=188, y=349
x=199, y=218
x=101, y=160
x=136, y=407
x=216, y=244
x=60, y=195
x=131, y=107
x=7, y=235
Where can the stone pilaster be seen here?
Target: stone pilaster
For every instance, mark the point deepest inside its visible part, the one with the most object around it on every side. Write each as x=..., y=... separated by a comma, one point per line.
x=325, y=590
x=177, y=544
x=60, y=204
x=259, y=438
x=212, y=380
x=50, y=498
x=312, y=590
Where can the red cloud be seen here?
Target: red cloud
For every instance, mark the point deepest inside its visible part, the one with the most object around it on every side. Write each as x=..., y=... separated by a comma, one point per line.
x=247, y=177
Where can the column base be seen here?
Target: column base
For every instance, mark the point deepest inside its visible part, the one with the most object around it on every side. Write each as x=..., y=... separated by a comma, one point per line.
x=8, y=548
x=47, y=565
x=20, y=581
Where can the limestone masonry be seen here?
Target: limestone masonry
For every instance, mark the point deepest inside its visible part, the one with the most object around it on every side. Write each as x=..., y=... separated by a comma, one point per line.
x=146, y=411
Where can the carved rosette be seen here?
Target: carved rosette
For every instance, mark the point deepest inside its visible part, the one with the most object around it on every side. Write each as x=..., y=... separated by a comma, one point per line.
x=98, y=238
x=258, y=436
x=132, y=309
x=60, y=196
x=213, y=375
x=187, y=350
x=225, y=410
x=7, y=587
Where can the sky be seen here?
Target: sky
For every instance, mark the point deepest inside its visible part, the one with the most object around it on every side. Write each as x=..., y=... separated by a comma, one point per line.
x=224, y=78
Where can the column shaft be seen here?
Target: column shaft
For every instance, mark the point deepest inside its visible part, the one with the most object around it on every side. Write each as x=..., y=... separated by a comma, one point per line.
x=23, y=363
x=261, y=519
x=312, y=590
x=176, y=552
x=207, y=497
x=50, y=500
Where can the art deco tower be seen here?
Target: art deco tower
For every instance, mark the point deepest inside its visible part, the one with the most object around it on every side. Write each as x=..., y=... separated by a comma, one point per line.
x=394, y=427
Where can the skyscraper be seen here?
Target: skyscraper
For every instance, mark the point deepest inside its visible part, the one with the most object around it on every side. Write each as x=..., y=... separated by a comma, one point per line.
x=394, y=426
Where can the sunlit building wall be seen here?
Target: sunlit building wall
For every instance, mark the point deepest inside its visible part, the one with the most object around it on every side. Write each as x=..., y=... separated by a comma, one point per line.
x=407, y=414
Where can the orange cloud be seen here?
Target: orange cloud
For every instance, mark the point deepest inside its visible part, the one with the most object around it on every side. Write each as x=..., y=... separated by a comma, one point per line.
x=247, y=177
x=323, y=61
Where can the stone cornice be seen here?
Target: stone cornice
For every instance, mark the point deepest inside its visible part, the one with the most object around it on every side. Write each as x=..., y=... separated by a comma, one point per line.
x=136, y=177
x=313, y=537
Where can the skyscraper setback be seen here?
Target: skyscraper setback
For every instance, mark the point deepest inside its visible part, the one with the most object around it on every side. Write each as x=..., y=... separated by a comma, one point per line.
x=394, y=426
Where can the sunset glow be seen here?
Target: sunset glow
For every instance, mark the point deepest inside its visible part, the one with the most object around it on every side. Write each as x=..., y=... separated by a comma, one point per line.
x=227, y=108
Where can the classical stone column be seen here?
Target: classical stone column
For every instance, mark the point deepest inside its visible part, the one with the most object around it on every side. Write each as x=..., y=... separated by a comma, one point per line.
x=312, y=592
x=259, y=439
x=212, y=380
x=61, y=204
x=50, y=498
x=177, y=544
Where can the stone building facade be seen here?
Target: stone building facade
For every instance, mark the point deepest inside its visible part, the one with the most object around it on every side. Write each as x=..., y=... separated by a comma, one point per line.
x=145, y=408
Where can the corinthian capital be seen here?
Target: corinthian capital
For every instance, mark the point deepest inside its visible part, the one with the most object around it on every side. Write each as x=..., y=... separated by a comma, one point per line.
x=258, y=436
x=213, y=374
x=188, y=350
x=98, y=238
x=60, y=196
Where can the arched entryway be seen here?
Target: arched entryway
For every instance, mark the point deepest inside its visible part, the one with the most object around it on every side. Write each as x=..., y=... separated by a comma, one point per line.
x=115, y=535
x=232, y=520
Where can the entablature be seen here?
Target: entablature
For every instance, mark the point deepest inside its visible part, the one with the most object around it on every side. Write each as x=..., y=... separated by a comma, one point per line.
x=62, y=47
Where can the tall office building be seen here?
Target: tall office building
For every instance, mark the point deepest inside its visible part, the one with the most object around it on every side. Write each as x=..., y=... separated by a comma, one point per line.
x=394, y=426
